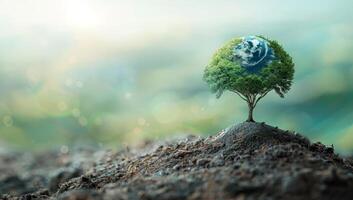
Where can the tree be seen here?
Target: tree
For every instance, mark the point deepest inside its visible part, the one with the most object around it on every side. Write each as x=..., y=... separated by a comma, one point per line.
x=224, y=72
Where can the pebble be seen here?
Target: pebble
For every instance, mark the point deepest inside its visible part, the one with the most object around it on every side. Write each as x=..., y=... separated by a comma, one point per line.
x=202, y=162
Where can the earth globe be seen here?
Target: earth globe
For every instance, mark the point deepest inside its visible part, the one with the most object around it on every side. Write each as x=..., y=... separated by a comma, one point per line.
x=253, y=54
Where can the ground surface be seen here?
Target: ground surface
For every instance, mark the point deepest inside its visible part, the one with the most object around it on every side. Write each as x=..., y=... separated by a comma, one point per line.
x=246, y=161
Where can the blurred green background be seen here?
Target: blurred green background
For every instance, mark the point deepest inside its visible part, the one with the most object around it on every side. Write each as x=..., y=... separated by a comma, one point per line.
x=76, y=72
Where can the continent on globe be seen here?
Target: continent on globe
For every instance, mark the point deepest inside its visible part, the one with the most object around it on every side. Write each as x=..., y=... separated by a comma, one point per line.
x=253, y=53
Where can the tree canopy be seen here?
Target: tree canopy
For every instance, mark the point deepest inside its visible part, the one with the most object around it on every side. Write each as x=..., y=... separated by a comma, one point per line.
x=224, y=73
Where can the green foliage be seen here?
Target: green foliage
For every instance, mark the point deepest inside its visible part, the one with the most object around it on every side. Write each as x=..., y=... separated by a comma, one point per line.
x=223, y=74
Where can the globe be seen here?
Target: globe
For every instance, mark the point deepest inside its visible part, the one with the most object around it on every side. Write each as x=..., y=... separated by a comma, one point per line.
x=253, y=53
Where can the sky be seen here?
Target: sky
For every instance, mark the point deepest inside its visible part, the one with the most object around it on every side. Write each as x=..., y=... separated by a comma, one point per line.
x=118, y=72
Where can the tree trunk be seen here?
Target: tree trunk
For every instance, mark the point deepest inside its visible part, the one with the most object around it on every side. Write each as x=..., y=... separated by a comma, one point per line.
x=251, y=110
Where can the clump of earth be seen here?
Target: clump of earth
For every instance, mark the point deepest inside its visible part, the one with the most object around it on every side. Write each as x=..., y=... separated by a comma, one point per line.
x=245, y=161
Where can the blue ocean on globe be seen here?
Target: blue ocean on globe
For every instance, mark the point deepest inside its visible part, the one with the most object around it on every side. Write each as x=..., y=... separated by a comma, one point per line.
x=253, y=54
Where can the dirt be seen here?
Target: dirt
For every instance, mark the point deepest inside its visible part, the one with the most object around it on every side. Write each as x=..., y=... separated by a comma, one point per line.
x=245, y=161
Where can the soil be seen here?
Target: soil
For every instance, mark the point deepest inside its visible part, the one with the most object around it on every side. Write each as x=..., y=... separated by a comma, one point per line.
x=245, y=161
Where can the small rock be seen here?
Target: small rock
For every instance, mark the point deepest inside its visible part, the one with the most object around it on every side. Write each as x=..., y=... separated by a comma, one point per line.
x=329, y=150
x=318, y=147
x=176, y=167
x=202, y=162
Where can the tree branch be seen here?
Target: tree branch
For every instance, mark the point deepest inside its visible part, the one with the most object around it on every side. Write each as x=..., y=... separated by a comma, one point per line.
x=261, y=96
x=240, y=95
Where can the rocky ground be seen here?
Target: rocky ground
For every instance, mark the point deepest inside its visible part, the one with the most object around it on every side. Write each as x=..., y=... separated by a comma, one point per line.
x=246, y=161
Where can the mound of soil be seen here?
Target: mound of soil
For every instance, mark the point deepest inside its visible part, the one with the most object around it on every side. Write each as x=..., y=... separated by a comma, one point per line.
x=245, y=161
